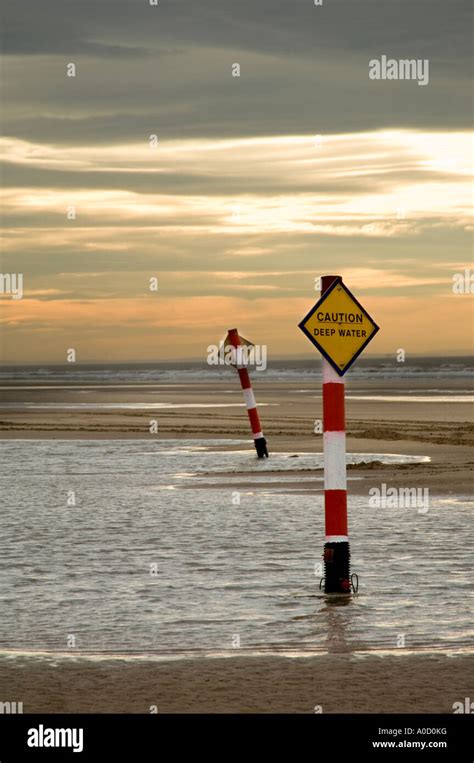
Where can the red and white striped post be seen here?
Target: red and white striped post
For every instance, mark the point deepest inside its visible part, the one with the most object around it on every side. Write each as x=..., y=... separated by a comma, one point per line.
x=258, y=438
x=336, y=547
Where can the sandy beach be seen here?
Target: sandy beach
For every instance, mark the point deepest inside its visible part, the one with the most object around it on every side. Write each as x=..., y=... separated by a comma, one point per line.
x=380, y=419
x=260, y=684
x=288, y=411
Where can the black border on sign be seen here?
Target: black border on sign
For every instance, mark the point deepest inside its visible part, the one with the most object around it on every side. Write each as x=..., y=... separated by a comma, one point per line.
x=335, y=283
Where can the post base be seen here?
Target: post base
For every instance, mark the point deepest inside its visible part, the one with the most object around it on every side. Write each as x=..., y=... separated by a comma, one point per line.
x=261, y=447
x=337, y=558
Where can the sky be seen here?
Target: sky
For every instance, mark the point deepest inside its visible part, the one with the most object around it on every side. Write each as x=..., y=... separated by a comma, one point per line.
x=253, y=186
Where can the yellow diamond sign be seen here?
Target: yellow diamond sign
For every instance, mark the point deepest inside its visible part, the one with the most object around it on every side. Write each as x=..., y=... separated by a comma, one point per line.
x=339, y=326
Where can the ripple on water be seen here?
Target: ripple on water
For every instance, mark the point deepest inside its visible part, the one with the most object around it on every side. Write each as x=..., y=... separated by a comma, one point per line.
x=133, y=569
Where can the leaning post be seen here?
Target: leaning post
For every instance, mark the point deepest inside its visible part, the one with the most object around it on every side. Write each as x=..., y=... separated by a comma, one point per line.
x=233, y=339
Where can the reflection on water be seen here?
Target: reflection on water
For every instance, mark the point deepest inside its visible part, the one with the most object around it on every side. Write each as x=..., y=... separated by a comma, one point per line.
x=93, y=546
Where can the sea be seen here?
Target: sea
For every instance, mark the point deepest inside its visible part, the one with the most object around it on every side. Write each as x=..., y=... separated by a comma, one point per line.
x=370, y=368
x=158, y=549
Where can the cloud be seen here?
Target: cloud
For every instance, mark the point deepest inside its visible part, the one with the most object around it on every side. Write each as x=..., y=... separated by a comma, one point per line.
x=270, y=25
x=260, y=183
x=382, y=184
x=304, y=69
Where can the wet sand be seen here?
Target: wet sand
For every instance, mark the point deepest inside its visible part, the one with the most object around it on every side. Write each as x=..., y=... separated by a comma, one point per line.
x=443, y=431
x=262, y=684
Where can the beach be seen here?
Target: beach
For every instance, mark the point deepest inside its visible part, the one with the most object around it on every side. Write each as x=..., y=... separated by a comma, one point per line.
x=261, y=684
x=226, y=572
x=381, y=416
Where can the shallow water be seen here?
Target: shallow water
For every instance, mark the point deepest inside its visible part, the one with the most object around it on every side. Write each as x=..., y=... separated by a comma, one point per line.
x=23, y=406
x=222, y=571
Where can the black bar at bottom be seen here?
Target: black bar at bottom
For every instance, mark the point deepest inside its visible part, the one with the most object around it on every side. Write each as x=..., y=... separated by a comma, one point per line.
x=167, y=737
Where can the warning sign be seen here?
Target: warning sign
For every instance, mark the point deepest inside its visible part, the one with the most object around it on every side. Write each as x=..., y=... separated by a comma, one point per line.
x=339, y=327
x=244, y=342
x=237, y=355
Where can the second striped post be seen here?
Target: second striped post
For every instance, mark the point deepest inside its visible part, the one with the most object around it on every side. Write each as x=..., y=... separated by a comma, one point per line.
x=258, y=438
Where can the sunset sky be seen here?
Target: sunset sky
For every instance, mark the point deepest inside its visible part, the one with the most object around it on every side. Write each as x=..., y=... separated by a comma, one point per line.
x=257, y=185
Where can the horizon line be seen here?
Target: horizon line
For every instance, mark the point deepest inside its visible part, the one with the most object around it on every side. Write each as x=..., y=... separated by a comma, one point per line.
x=155, y=361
